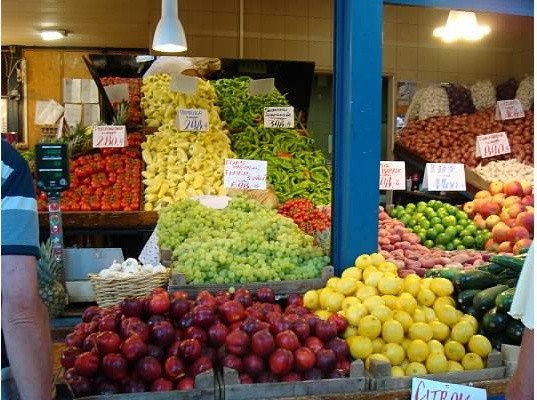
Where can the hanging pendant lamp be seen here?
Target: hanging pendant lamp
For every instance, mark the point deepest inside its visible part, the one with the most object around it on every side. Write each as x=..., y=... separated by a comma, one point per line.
x=461, y=25
x=169, y=36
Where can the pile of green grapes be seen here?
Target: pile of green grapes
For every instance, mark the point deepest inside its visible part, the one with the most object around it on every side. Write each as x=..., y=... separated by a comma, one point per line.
x=245, y=242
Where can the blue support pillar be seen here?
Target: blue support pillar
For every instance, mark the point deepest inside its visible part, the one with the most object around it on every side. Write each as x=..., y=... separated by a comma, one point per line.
x=357, y=123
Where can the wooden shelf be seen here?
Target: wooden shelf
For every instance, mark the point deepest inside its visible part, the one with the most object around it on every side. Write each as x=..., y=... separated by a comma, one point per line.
x=104, y=220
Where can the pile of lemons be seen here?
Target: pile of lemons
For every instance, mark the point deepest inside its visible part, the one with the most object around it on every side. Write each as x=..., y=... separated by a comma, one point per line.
x=410, y=322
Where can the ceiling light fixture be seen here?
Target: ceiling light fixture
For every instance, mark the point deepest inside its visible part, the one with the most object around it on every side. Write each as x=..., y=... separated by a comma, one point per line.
x=169, y=36
x=461, y=25
x=53, y=34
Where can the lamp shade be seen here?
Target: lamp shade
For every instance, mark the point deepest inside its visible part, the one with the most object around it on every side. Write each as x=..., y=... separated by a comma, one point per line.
x=169, y=36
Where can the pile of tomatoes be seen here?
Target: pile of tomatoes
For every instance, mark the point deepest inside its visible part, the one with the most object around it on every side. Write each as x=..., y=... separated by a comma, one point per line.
x=107, y=180
x=303, y=212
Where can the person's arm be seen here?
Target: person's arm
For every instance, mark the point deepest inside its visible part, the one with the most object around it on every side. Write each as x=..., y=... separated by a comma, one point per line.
x=26, y=328
x=520, y=386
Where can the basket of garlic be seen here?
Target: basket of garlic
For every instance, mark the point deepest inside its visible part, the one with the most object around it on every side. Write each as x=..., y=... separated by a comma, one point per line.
x=127, y=279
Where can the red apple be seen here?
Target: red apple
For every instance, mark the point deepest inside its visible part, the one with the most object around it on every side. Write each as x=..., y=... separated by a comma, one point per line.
x=75, y=339
x=156, y=352
x=87, y=364
x=217, y=334
x=134, y=348
x=469, y=209
x=314, y=343
x=304, y=359
x=162, y=333
x=237, y=342
x=513, y=188
x=203, y=316
x=195, y=332
x=233, y=361
x=91, y=312
x=253, y=365
x=132, y=385
x=287, y=339
x=301, y=329
x=522, y=244
x=131, y=307
x=148, y=368
x=114, y=366
x=294, y=299
x=516, y=233
x=344, y=366
x=496, y=187
x=262, y=343
x=161, y=385
x=505, y=247
x=180, y=294
x=159, y=303
x=489, y=208
x=190, y=349
x=134, y=325
x=108, y=342
x=326, y=360
x=340, y=348
x=232, y=311
x=186, y=383
x=186, y=321
x=174, y=368
x=526, y=220
x=204, y=297
x=325, y=330
x=179, y=307
x=265, y=295
x=340, y=322
x=201, y=364
x=68, y=356
x=281, y=362
x=243, y=296
x=499, y=232
x=527, y=200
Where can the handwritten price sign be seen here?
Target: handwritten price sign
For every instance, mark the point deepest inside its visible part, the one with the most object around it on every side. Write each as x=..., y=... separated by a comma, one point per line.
x=192, y=120
x=279, y=117
x=245, y=174
x=493, y=144
x=444, y=177
x=509, y=109
x=392, y=175
x=109, y=136
x=424, y=389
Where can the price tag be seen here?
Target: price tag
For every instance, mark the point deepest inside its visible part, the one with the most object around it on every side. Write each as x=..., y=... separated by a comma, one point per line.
x=425, y=389
x=109, y=136
x=117, y=93
x=184, y=84
x=493, y=144
x=444, y=177
x=279, y=117
x=261, y=86
x=509, y=109
x=192, y=120
x=392, y=175
x=245, y=174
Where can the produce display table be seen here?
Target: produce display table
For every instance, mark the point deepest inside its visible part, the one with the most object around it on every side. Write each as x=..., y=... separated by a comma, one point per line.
x=126, y=220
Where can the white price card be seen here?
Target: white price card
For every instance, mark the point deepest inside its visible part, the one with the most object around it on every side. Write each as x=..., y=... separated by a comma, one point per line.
x=184, y=84
x=509, y=109
x=392, y=175
x=151, y=252
x=260, y=86
x=192, y=120
x=117, y=93
x=245, y=174
x=425, y=389
x=492, y=144
x=444, y=177
x=109, y=136
x=279, y=117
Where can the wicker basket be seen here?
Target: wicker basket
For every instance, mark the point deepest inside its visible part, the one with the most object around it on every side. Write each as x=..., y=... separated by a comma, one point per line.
x=111, y=291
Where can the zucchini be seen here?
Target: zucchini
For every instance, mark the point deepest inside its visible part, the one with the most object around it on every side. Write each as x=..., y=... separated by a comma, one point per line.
x=465, y=298
x=512, y=262
x=432, y=273
x=470, y=309
x=497, y=339
x=485, y=299
x=504, y=299
x=515, y=330
x=493, y=268
x=448, y=273
x=495, y=321
x=474, y=279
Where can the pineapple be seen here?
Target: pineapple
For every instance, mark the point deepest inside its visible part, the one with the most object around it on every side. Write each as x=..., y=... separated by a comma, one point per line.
x=121, y=113
x=79, y=139
x=51, y=290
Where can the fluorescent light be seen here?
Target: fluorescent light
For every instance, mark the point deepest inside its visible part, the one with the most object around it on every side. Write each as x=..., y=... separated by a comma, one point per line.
x=53, y=34
x=461, y=25
x=169, y=36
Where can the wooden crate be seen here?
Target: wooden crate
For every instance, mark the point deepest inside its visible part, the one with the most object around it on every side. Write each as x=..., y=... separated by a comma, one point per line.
x=381, y=371
x=281, y=288
x=475, y=181
x=233, y=390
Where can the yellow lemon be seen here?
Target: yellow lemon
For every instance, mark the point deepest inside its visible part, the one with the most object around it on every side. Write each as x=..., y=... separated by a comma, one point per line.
x=376, y=356
x=311, y=300
x=471, y=319
x=323, y=296
x=447, y=314
x=407, y=303
x=443, y=300
x=350, y=330
x=420, y=330
x=442, y=286
x=368, y=271
x=404, y=344
x=347, y=286
x=472, y=361
x=376, y=258
x=480, y=345
x=397, y=371
x=362, y=261
x=390, y=300
x=404, y=319
x=417, y=350
x=333, y=301
x=412, y=284
x=382, y=312
x=419, y=315
x=390, y=285
x=454, y=366
x=353, y=273
x=436, y=363
x=415, y=368
x=395, y=353
x=360, y=347
x=355, y=313
x=392, y=331
x=373, y=278
x=365, y=292
x=405, y=363
x=435, y=346
x=378, y=345
x=425, y=283
x=388, y=266
x=349, y=301
x=426, y=297
x=323, y=314
x=440, y=330
x=369, y=326
x=430, y=315
x=332, y=282
x=454, y=350
x=373, y=302
x=462, y=331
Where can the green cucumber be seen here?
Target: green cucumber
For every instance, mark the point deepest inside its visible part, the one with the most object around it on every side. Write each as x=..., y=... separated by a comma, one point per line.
x=466, y=297
x=514, y=262
x=474, y=279
x=448, y=273
x=493, y=268
x=432, y=273
x=495, y=321
x=504, y=299
x=485, y=299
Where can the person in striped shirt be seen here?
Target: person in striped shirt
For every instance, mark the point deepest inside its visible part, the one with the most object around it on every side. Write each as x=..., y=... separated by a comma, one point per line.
x=25, y=321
